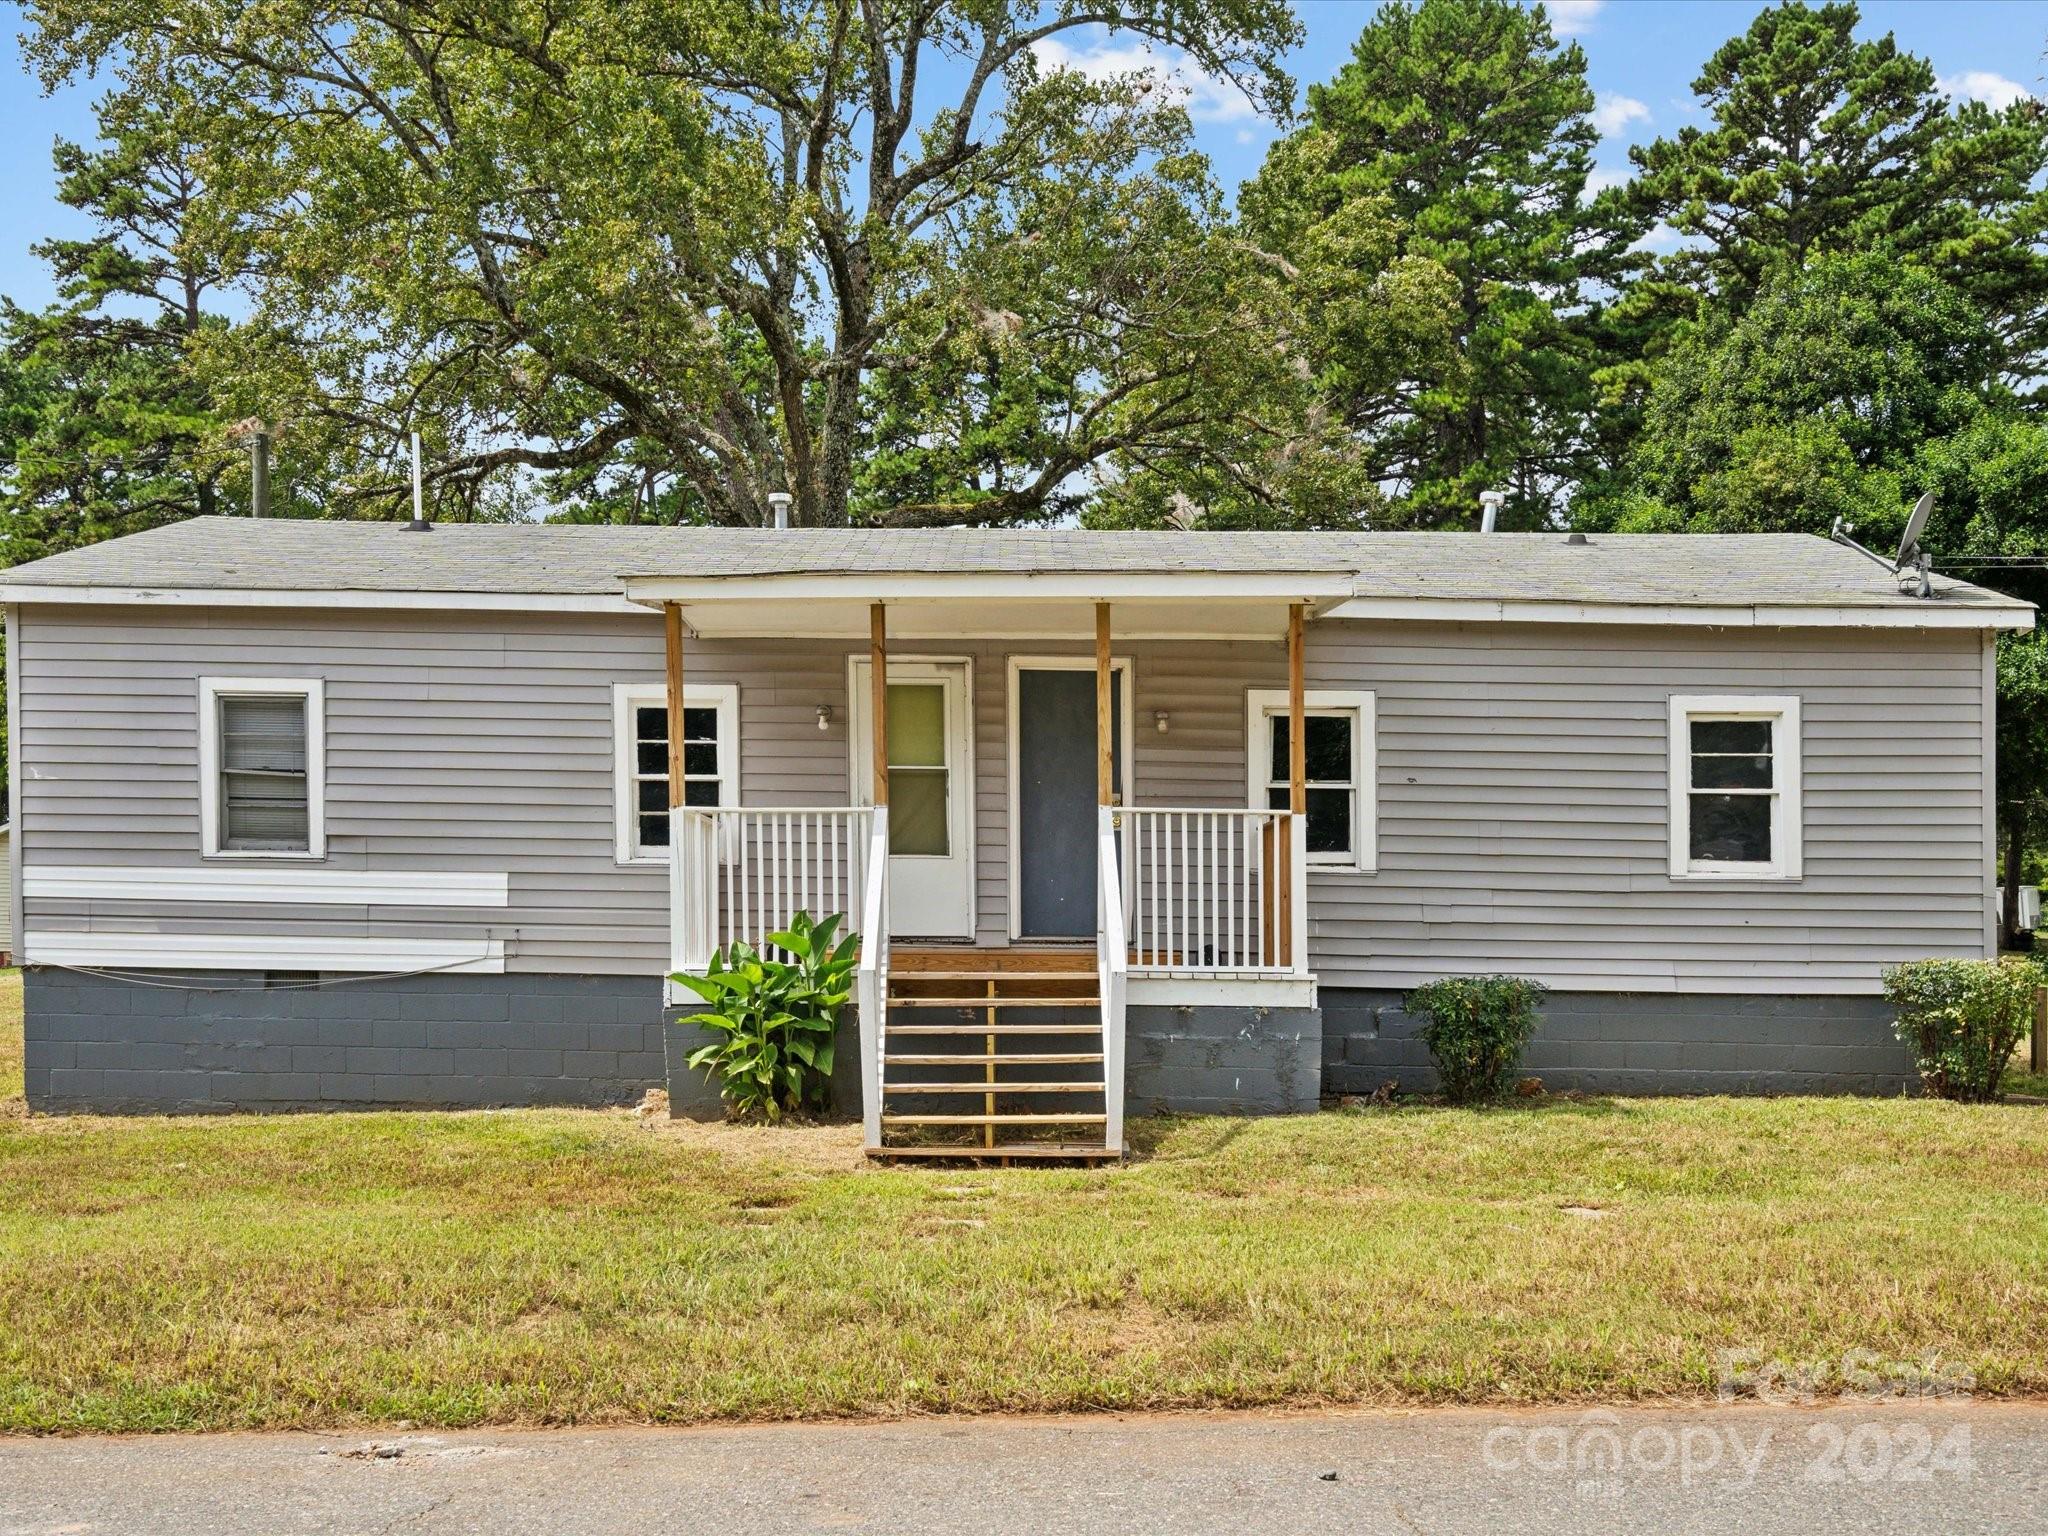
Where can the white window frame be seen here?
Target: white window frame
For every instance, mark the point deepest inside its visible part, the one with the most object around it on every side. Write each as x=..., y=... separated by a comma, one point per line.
x=1787, y=804
x=1263, y=704
x=211, y=691
x=627, y=697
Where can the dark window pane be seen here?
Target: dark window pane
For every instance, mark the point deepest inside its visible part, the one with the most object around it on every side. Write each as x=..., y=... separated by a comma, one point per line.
x=1329, y=821
x=651, y=722
x=1732, y=829
x=1280, y=739
x=1276, y=799
x=654, y=830
x=263, y=780
x=917, y=811
x=653, y=756
x=700, y=792
x=1329, y=748
x=263, y=735
x=700, y=757
x=700, y=725
x=1731, y=772
x=653, y=795
x=1738, y=736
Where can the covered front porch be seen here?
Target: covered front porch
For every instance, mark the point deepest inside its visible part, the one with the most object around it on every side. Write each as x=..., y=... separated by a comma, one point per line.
x=1012, y=913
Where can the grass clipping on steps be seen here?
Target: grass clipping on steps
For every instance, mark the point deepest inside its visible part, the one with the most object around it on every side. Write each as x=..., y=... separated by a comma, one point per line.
x=572, y=1267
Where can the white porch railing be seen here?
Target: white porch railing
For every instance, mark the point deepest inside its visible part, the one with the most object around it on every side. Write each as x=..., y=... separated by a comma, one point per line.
x=1112, y=961
x=871, y=980
x=1217, y=892
x=741, y=874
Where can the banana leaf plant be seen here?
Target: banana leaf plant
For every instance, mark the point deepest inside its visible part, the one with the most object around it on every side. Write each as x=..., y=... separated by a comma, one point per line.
x=774, y=1018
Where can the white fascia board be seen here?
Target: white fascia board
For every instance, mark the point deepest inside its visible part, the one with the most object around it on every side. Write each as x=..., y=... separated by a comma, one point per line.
x=1199, y=989
x=1931, y=615
x=261, y=952
x=285, y=887
x=246, y=597
x=1066, y=586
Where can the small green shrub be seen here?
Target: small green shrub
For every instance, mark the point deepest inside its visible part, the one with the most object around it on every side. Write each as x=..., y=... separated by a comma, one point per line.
x=775, y=1018
x=1961, y=1019
x=1477, y=1029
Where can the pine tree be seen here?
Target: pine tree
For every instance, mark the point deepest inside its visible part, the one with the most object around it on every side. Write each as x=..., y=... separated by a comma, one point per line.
x=1470, y=124
x=1823, y=143
x=105, y=427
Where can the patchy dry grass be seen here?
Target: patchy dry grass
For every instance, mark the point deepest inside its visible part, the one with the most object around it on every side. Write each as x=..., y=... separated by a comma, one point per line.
x=556, y=1266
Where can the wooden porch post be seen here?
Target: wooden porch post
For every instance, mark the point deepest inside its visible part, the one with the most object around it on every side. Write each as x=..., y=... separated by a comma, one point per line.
x=1297, y=777
x=1105, y=723
x=672, y=624
x=878, y=699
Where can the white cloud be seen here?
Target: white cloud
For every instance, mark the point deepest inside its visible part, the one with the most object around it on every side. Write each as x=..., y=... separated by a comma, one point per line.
x=1983, y=85
x=1660, y=238
x=1569, y=18
x=1616, y=111
x=1602, y=177
x=1208, y=99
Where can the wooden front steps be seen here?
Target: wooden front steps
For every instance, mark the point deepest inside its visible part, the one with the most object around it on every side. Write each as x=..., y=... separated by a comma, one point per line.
x=966, y=1025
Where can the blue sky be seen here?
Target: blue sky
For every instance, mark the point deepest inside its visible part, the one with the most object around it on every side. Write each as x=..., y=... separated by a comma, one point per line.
x=1641, y=54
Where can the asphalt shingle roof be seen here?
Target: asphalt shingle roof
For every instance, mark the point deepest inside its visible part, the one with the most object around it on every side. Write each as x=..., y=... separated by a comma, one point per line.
x=282, y=554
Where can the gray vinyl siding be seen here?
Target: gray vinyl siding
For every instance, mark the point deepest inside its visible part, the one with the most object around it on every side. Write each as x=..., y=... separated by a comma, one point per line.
x=453, y=743
x=1523, y=787
x=1524, y=805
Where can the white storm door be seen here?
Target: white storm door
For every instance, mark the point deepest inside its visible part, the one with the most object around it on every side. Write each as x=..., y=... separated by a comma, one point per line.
x=931, y=796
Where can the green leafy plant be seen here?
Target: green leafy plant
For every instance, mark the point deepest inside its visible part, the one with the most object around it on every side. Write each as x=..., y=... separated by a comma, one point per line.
x=774, y=1018
x=1477, y=1029
x=1961, y=1019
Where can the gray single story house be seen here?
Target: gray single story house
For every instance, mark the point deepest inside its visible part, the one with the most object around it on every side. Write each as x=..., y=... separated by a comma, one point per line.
x=328, y=813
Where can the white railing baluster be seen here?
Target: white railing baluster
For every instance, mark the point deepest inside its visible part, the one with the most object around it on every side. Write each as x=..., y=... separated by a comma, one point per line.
x=1112, y=961
x=1204, y=890
x=740, y=874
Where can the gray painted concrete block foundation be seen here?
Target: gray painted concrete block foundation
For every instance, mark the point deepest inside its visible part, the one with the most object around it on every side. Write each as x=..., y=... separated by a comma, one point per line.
x=1601, y=1042
x=254, y=1041
x=1222, y=1061
x=227, y=1041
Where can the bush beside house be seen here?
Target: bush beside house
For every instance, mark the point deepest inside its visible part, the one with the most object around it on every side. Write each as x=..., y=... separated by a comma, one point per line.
x=1478, y=1028
x=1962, y=1020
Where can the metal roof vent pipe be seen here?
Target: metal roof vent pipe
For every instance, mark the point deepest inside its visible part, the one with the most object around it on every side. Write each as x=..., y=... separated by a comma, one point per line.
x=419, y=523
x=779, y=502
x=1489, y=508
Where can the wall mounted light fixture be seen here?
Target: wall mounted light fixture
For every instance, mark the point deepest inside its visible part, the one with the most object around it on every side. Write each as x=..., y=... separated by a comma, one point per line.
x=824, y=717
x=1159, y=719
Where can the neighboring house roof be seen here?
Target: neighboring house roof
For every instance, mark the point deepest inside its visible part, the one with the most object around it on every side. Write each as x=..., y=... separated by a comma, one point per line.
x=1366, y=574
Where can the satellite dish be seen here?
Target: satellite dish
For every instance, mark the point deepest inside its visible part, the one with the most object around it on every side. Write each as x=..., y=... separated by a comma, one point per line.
x=1909, y=544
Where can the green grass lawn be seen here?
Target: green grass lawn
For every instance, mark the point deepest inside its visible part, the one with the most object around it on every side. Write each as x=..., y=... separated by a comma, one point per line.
x=556, y=1266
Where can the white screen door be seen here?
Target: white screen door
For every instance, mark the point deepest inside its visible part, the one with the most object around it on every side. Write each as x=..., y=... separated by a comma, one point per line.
x=931, y=802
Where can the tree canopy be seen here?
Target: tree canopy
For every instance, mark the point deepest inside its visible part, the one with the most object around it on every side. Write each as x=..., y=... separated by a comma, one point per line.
x=1468, y=127
x=727, y=236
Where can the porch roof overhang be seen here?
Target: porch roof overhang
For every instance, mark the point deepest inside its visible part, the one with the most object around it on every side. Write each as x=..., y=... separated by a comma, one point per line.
x=1178, y=605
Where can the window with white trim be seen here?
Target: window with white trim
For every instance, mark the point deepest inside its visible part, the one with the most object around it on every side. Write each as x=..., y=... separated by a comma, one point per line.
x=710, y=760
x=262, y=768
x=1338, y=746
x=1735, y=795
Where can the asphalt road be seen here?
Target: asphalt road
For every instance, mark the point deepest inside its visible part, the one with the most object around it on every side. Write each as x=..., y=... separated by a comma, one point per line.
x=1971, y=1466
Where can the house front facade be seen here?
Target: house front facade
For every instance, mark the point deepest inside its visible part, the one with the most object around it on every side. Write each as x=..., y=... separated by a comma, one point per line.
x=336, y=814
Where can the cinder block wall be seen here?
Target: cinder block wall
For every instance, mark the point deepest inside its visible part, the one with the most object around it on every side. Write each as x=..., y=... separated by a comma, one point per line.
x=227, y=1041
x=1601, y=1042
x=1222, y=1061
